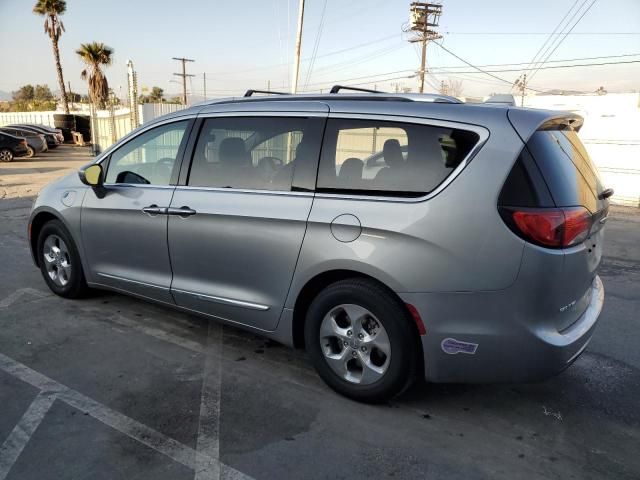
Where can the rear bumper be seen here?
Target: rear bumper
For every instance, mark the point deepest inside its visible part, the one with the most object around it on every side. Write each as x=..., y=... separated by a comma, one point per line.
x=20, y=150
x=473, y=338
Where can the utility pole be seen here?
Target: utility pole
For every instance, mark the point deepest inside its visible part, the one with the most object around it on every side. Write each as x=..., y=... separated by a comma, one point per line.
x=296, y=62
x=521, y=84
x=422, y=17
x=70, y=95
x=184, y=76
x=204, y=81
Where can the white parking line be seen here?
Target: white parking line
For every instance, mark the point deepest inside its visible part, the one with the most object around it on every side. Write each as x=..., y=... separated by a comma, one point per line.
x=22, y=432
x=161, y=443
x=208, y=442
x=11, y=298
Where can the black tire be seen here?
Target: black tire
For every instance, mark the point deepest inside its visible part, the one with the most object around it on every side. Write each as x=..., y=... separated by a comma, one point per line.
x=390, y=312
x=30, y=152
x=6, y=155
x=76, y=286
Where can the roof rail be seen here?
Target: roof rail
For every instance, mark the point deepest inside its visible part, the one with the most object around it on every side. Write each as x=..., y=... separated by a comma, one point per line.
x=249, y=93
x=337, y=88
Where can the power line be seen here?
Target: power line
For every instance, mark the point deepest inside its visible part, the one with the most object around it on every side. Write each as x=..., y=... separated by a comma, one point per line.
x=535, y=57
x=342, y=82
x=550, y=67
x=473, y=66
x=552, y=61
x=328, y=54
x=538, y=33
x=540, y=61
x=350, y=63
x=565, y=35
x=365, y=77
x=452, y=73
x=316, y=43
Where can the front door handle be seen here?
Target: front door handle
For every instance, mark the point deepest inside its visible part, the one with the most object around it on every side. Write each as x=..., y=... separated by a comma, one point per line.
x=181, y=212
x=153, y=210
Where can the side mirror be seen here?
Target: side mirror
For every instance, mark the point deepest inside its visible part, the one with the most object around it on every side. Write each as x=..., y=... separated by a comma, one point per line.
x=91, y=175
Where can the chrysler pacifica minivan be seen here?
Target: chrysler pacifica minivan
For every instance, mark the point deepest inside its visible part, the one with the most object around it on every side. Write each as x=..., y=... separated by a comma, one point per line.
x=390, y=235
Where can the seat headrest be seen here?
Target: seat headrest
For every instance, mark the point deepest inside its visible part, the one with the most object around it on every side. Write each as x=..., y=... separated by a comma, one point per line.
x=351, y=168
x=232, y=150
x=392, y=153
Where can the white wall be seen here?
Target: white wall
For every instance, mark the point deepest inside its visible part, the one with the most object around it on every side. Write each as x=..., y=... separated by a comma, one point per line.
x=107, y=132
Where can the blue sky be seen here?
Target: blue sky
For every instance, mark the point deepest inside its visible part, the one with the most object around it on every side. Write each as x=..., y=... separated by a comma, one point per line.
x=247, y=44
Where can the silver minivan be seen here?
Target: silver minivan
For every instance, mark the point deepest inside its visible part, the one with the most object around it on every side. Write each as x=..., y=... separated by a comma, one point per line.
x=390, y=235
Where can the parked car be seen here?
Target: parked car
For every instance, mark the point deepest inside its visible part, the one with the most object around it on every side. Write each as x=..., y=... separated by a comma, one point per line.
x=12, y=147
x=51, y=138
x=46, y=129
x=36, y=142
x=472, y=258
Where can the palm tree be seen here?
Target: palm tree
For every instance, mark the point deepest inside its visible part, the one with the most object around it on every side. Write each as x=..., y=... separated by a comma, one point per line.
x=95, y=55
x=51, y=11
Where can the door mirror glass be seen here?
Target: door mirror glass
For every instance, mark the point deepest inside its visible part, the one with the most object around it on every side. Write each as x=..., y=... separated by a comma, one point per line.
x=91, y=175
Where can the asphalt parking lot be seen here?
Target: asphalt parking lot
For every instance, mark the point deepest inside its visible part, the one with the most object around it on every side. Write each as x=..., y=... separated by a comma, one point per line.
x=113, y=387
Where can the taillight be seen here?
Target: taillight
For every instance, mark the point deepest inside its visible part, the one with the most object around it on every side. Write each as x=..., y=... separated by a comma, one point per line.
x=551, y=227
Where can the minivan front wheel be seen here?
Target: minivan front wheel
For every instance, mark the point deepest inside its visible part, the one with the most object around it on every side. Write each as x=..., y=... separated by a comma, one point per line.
x=60, y=262
x=361, y=341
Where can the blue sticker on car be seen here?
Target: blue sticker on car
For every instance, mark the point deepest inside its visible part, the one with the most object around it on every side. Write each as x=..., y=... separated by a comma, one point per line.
x=452, y=346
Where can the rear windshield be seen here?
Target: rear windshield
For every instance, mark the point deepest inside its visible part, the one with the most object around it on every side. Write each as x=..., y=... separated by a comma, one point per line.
x=570, y=174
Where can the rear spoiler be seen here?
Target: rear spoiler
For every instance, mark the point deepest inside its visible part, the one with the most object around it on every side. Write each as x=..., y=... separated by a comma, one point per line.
x=527, y=121
x=502, y=99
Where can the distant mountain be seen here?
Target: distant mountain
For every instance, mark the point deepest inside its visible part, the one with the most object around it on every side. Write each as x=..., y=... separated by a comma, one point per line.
x=4, y=96
x=562, y=92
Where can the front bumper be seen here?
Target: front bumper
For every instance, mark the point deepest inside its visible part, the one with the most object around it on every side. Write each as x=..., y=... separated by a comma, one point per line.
x=472, y=338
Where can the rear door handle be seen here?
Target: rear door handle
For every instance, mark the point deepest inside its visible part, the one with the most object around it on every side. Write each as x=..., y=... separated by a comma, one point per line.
x=153, y=210
x=181, y=212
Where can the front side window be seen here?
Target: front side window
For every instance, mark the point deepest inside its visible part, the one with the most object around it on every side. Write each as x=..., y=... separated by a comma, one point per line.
x=149, y=158
x=257, y=153
x=379, y=157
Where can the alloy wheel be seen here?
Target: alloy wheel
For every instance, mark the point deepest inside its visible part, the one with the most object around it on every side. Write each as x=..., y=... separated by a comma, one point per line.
x=6, y=155
x=57, y=260
x=355, y=344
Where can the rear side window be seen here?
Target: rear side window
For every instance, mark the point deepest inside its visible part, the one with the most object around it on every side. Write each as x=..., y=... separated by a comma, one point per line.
x=568, y=171
x=389, y=158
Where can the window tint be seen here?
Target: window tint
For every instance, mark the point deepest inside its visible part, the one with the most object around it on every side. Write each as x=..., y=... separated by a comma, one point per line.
x=572, y=178
x=396, y=158
x=149, y=158
x=251, y=152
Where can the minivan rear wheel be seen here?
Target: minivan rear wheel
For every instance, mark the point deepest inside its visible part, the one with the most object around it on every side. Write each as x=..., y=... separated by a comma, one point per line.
x=361, y=341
